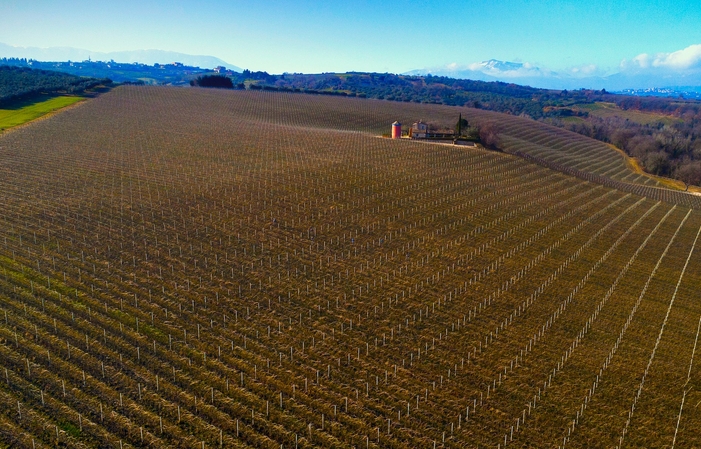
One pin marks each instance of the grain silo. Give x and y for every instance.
(396, 130)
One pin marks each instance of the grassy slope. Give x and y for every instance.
(606, 110)
(31, 109)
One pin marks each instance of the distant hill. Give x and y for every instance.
(20, 82)
(140, 56)
(498, 96)
(508, 72)
(663, 133)
(176, 74)
(531, 75)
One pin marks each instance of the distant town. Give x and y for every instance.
(174, 73)
(679, 92)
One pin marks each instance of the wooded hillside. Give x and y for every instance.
(20, 82)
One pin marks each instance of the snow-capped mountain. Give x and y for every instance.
(512, 72)
(532, 75)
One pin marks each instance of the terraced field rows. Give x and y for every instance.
(181, 268)
(561, 147)
(658, 193)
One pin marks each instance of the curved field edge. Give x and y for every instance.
(26, 111)
(552, 143)
(637, 167)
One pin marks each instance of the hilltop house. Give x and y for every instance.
(418, 130)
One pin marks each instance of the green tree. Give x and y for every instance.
(461, 126)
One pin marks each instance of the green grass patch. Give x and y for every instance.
(30, 109)
(70, 428)
(605, 110)
(26, 275)
(573, 120)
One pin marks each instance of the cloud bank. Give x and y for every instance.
(687, 59)
(584, 70)
(644, 71)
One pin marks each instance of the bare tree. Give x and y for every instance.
(489, 135)
(689, 174)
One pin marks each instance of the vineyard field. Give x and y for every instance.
(563, 147)
(185, 267)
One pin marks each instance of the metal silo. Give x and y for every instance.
(396, 130)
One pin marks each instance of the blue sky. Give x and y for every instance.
(370, 35)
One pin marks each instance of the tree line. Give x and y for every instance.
(665, 149)
(21, 82)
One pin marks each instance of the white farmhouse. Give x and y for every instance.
(419, 130)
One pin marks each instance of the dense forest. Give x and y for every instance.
(20, 82)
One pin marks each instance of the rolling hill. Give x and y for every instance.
(207, 268)
(149, 57)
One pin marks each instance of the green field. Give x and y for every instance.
(606, 110)
(31, 109)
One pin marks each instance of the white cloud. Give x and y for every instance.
(690, 57)
(642, 60)
(686, 59)
(584, 70)
(678, 68)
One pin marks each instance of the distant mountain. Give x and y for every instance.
(513, 72)
(503, 66)
(140, 56)
(654, 80)
(531, 75)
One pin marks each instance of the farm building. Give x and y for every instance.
(419, 130)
